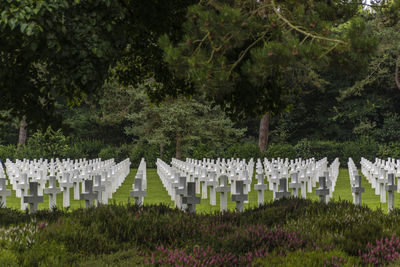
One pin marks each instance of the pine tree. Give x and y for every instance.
(250, 55)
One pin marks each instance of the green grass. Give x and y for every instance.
(157, 194)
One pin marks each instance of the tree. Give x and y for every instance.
(250, 56)
(53, 48)
(179, 120)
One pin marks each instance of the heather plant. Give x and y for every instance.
(287, 232)
(384, 251)
(319, 257)
(200, 257)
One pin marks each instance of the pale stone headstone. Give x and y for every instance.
(66, 184)
(99, 188)
(22, 186)
(274, 183)
(204, 189)
(33, 199)
(197, 179)
(357, 190)
(260, 187)
(382, 183)
(294, 184)
(76, 181)
(4, 193)
(391, 188)
(212, 183)
(181, 192)
(88, 195)
(239, 197)
(322, 190)
(138, 193)
(223, 189)
(191, 200)
(283, 193)
(52, 190)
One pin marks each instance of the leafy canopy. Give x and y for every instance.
(251, 55)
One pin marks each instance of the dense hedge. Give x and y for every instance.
(53, 144)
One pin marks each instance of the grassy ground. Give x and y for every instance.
(157, 194)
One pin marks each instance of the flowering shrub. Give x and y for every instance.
(383, 252)
(201, 257)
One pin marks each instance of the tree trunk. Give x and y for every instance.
(396, 70)
(178, 154)
(161, 150)
(264, 132)
(22, 132)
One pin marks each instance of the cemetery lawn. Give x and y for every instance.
(156, 194)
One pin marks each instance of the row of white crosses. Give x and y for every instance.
(355, 182)
(140, 184)
(100, 179)
(208, 173)
(381, 176)
(303, 175)
(183, 178)
(181, 190)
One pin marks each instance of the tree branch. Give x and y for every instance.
(302, 31)
(241, 56)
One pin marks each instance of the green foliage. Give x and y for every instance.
(180, 122)
(308, 258)
(245, 150)
(280, 150)
(8, 257)
(7, 152)
(389, 150)
(149, 152)
(250, 56)
(53, 48)
(287, 232)
(49, 144)
(108, 152)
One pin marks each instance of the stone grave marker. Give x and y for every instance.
(138, 193)
(283, 193)
(76, 180)
(322, 190)
(52, 190)
(391, 188)
(357, 190)
(203, 179)
(239, 197)
(99, 188)
(260, 187)
(302, 178)
(66, 184)
(274, 183)
(223, 189)
(88, 195)
(4, 193)
(382, 184)
(212, 183)
(33, 199)
(22, 186)
(191, 200)
(181, 192)
(294, 184)
(328, 183)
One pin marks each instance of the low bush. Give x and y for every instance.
(7, 152)
(288, 232)
(331, 258)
